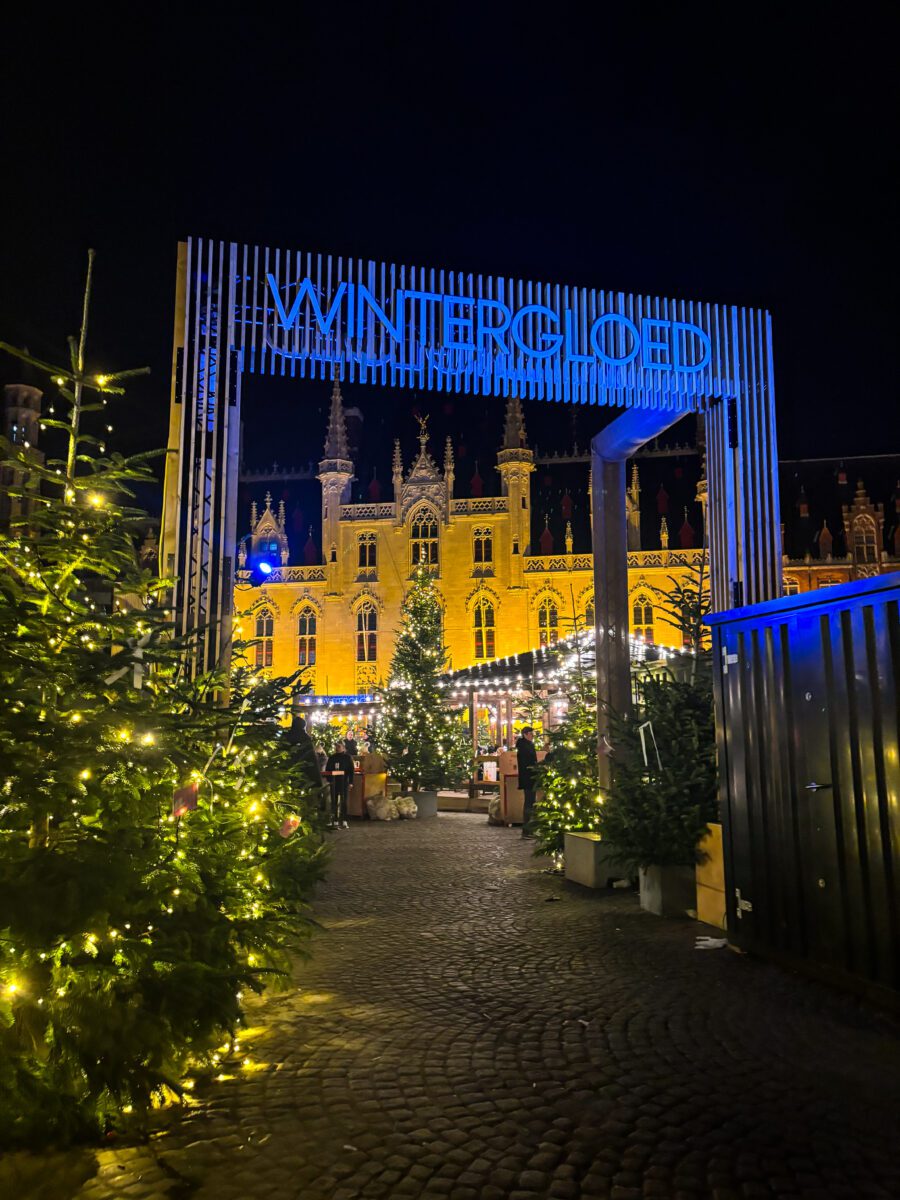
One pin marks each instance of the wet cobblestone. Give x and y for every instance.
(456, 1036)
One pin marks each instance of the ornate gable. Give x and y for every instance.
(424, 481)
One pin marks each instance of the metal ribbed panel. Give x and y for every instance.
(283, 312)
(809, 748)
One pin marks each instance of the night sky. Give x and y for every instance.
(670, 151)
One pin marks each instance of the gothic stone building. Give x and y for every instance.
(337, 619)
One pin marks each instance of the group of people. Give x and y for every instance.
(338, 767)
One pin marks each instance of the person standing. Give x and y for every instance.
(350, 746)
(321, 758)
(304, 750)
(526, 762)
(340, 770)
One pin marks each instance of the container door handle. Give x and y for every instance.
(816, 787)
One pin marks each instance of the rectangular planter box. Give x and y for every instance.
(592, 862)
(668, 891)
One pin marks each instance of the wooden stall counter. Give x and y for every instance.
(369, 779)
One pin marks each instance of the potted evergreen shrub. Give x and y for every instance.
(425, 744)
(663, 793)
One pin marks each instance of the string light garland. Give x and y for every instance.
(133, 926)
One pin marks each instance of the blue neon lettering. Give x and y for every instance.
(493, 331)
(453, 323)
(365, 299)
(470, 335)
(649, 345)
(571, 353)
(554, 339)
(306, 291)
(607, 319)
(679, 327)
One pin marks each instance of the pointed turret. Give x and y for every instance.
(268, 536)
(335, 475)
(514, 429)
(664, 534)
(686, 533)
(449, 467)
(515, 462)
(633, 509)
(336, 439)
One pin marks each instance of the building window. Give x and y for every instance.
(424, 540)
(589, 614)
(265, 629)
(366, 632)
(642, 617)
(790, 587)
(306, 638)
(865, 545)
(367, 555)
(484, 629)
(548, 622)
(483, 550)
(365, 679)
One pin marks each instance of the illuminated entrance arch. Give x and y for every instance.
(242, 308)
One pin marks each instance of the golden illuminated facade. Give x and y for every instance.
(337, 619)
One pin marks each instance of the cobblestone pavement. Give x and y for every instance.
(473, 1029)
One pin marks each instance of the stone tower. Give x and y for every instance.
(515, 462)
(335, 476)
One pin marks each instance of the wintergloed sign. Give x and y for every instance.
(314, 316)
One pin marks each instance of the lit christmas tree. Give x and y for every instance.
(156, 848)
(569, 777)
(425, 744)
(663, 793)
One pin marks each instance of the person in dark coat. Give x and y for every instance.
(304, 750)
(526, 762)
(350, 746)
(339, 768)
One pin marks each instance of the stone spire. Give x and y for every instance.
(514, 430)
(635, 486)
(449, 467)
(335, 476)
(633, 509)
(397, 465)
(336, 447)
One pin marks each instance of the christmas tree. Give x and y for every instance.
(663, 793)
(664, 786)
(568, 778)
(425, 744)
(156, 845)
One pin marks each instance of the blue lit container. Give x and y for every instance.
(807, 712)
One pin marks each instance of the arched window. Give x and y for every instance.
(589, 614)
(265, 629)
(483, 547)
(306, 638)
(366, 632)
(548, 622)
(424, 539)
(642, 616)
(483, 618)
(367, 555)
(865, 544)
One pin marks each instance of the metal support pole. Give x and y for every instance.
(609, 451)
